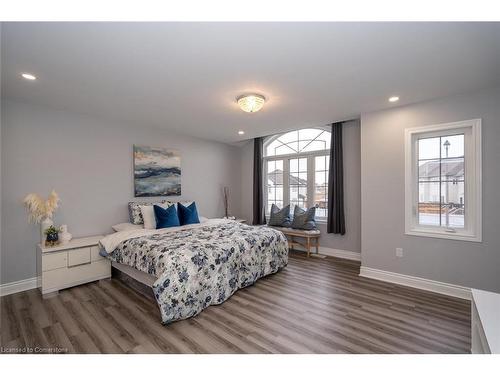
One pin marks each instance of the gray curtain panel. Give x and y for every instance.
(336, 217)
(259, 216)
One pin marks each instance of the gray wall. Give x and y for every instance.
(382, 189)
(352, 185)
(89, 162)
(1, 126)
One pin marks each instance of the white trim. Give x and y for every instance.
(430, 232)
(19, 286)
(337, 253)
(269, 139)
(473, 160)
(297, 155)
(417, 282)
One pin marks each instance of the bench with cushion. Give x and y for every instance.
(311, 237)
(303, 225)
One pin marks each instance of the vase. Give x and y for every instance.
(44, 224)
(64, 235)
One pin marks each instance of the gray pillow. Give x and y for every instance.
(304, 219)
(279, 218)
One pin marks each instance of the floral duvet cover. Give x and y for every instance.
(204, 264)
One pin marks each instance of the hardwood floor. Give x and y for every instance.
(312, 306)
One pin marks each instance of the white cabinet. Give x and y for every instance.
(485, 323)
(74, 263)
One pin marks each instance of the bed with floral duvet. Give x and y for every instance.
(199, 265)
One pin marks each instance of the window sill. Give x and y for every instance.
(443, 235)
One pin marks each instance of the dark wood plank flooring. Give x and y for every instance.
(312, 306)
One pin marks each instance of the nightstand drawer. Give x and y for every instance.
(68, 277)
(94, 254)
(77, 257)
(55, 261)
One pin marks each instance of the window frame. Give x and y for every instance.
(311, 171)
(472, 230)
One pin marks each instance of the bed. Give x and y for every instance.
(198, 265)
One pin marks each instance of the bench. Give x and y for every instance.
(311, 237)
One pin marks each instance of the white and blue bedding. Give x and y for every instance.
(199, 265)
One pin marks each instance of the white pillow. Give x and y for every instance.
(126, 226)
(148, 214)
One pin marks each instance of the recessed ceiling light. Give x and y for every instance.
(28, 76)
(393, 99)
(241, 132)
(251, 102)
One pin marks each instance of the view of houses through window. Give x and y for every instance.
(441, 180)
(296, 169)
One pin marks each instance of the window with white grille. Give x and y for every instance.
(443, 180)
(296, 169)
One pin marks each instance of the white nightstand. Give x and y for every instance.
(74, 263)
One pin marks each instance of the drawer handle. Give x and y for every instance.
(78, 265)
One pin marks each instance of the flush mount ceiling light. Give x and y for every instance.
(251, 102)
(393, 99)
(241, 132)
(28, 76)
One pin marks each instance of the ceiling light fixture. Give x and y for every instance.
(251, 102)
(393, 99)
(28, 76)
(241, 132)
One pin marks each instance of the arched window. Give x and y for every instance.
(296, 169)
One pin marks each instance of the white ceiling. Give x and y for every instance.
(185, 77)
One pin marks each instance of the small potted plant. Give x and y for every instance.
(52, 236)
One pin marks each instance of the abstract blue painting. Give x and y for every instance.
(157, 171)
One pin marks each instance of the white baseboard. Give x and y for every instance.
(19, 286)
(337, 253)
(417, 282)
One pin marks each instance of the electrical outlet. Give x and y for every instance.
(399, 252)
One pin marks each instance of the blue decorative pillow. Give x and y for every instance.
(188, 215)
(279, 218)
(166, 217)
(303, 219)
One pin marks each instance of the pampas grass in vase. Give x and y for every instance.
(41, 211)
